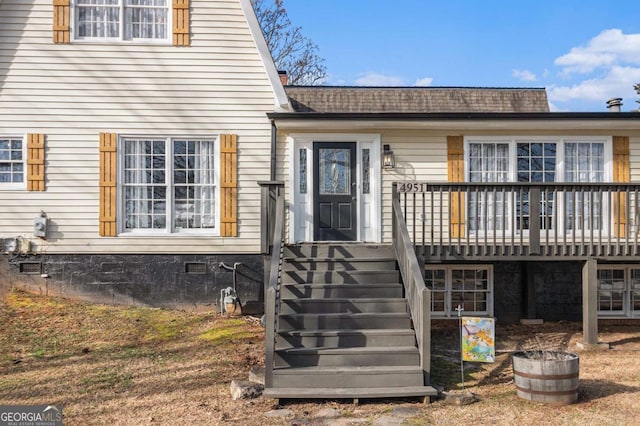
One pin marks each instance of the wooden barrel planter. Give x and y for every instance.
(547, 376)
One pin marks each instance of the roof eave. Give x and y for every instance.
(463, 122)
(281, 98)
(437, 116)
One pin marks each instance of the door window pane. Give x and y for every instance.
(303, 171)
(335, 171)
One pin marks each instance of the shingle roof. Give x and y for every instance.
(325, 99)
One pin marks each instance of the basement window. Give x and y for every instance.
(195, 268)
(468, 286)
(31, 268)
(618, 291)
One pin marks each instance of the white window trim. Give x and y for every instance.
(120, 39)
(627, 311)
(448, 308)
(170, 229)
(17, 186)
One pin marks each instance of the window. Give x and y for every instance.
(122, 19)
(169, 184)
(543, 160)
(468, 286)
(12, 163)
(488, 162)
(618, 291)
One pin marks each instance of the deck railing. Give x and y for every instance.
(272, 245)
(417, 294)
(455, 221)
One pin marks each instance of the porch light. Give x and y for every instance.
(388, 160)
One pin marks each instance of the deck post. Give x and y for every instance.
(590, 302)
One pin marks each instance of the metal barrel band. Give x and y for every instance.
(548, 377)
(538, 392)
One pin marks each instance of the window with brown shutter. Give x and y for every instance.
(455, 173)
(61, 21)
(621, 174)
(108, 190)
(92, 21)
(228, 185)
(35, 162)
(181, 18)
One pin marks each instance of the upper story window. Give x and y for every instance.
(169, 185)
(12, 163)
(146, 20)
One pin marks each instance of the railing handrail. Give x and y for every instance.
(424, 186)
(417, 294)
(276, 243)
(533, 220)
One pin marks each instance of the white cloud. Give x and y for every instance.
(524, 75)
(425, 81)
(555, 108)
(608, 48)
(618, 82)
(376, 79)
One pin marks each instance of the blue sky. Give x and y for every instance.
(583, 51)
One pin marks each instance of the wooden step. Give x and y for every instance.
(355, 264)
(339, 277)
(361, 357)
(348, 377)
(340, 393)
(343, 321)
(325, 306)
(332, 250)
(338, 291)
(345, 338)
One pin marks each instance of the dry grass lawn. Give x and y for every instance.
(136, 366)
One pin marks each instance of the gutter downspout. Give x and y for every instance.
(274, 139)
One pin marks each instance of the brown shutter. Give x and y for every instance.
(181, 23)
(35, 162)
(61, 19)
(108, 195)
(455, 173)
(621, 174)
(228, 185)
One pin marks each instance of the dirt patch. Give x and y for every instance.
(131, 365)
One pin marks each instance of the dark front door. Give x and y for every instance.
(334, 191)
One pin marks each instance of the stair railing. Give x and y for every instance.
(417, 294)
(272, 243)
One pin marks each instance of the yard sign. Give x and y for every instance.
(478, 339)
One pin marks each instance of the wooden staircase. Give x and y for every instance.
(343, 327)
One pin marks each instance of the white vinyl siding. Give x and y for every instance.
(71, 93)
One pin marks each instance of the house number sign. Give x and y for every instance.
(412, 187)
